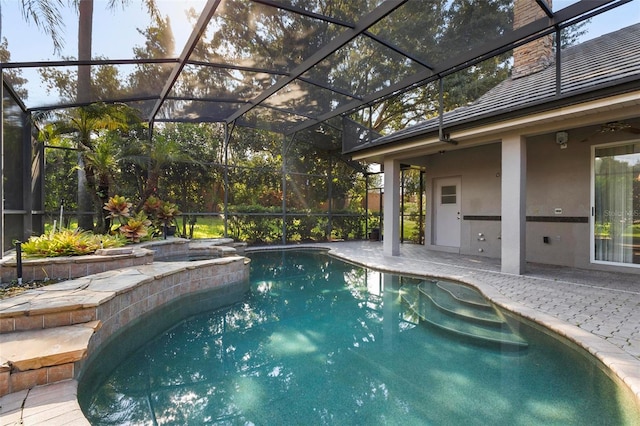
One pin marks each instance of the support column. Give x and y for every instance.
(225, 208)
(2, 245)
(284, 189)
(27, 179)
(391, 234)
(514, 195)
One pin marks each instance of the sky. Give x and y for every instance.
(28, 43)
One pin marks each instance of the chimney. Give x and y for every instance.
(536, 55)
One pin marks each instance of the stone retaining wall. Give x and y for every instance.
(114, 298)
(70, 267)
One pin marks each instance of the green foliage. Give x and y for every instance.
(348, 225)
(118, 207)
(154, 214)
(136, 228)
(162, 213)
(305, 226)
(69, 243)
(167, 212)
(255, 224)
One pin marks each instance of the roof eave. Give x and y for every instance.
(483, 125)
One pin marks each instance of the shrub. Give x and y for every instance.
(155, 214)
(136, 228)
(255, 224)
(69, 243)
(161, 213)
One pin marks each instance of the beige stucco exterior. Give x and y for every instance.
(556, 181)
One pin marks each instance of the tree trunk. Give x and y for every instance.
(150, 188)
(85, 204)
(85, 9)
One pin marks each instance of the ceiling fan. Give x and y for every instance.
(613, 127)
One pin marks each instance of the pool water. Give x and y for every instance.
(320, 341)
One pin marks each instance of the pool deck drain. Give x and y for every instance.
(599, 311)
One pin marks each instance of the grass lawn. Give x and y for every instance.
(206, 227)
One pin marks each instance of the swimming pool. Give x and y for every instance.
(321, 341)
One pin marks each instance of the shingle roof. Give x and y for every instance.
(593, 64)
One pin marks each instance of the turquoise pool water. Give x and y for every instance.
(320, 341)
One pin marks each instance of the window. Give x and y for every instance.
(448, 194)
(617, 204)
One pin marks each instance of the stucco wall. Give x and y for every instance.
(558, 196)
(558, 188)
(479, 172)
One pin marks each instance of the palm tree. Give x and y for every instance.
(97, 155)
(154, 158)
(46, 15)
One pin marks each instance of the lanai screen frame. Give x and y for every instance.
(241, 115)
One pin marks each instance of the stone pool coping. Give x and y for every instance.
(70, 267)
(113, 299)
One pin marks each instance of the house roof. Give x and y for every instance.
(603, 62)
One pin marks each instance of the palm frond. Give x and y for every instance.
(46, 15)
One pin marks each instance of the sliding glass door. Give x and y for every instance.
(616, 196)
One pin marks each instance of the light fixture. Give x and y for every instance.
(562, 138)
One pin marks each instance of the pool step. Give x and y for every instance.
(463, 302)
(38, 357)
(464, 294)
(460, 310)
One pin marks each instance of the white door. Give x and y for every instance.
(447, 212)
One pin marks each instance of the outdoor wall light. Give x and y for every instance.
(561, 139)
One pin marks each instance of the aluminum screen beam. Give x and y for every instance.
(206, 15)
(367, 21)
(520, 36)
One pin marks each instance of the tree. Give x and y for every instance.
(147, 78)
(87, 126)
(46, 14)
(154, 157)
(189, 182)
(12, 76)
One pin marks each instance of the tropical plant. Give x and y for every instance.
(136, 228)
(162, 213)
(69, 243)
(152, 205)
(87, 127)
(118, 207)
(167, 212)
